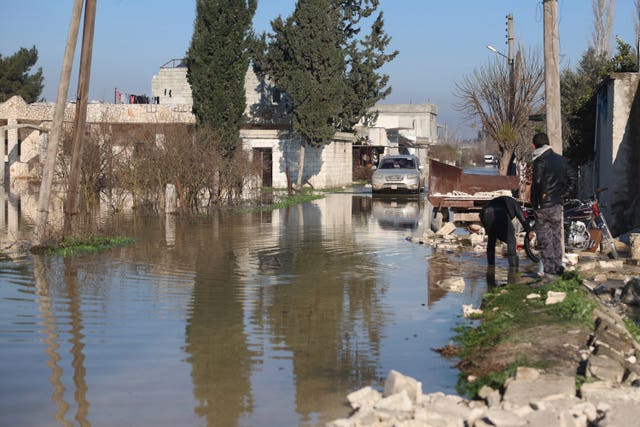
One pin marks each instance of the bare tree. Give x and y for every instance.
(503, 98)
(603, 15)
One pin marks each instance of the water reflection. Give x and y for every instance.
(52, 338)
(263, 319)
(399, 213)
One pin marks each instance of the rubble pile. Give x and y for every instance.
(609, 370)
(531, 398)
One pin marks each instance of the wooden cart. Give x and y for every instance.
(456, 196)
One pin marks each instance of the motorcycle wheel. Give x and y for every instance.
(531, 246)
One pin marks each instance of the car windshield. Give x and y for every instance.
(397, 164)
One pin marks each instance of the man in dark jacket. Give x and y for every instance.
(496, 217)
(547, 189)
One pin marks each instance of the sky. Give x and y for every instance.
(439, 41)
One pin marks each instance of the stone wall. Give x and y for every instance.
(27, 126)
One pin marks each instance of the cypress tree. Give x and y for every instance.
(305, 60)
(329, 71)
(15, 78)
(217, 61)
(365, 56)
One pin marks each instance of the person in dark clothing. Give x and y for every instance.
(547, 189)
(496, 217)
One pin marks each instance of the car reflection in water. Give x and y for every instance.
(396, 213)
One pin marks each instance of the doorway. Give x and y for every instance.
(263, 158)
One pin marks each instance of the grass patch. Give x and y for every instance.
(495, 380)
(633, 328)
(70, 247)
(507, 317)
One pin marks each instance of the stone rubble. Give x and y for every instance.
(531, 398)
(610, 396)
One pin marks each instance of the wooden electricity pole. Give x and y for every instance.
(71, 206)
(56, 128)
(552, 75)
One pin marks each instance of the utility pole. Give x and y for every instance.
(552, 75)
(71, 206)
(56, 128)
(510, 61)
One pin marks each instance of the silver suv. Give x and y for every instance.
(397, 173)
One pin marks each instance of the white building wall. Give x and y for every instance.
(252, 89)
(420, 119)
(326, 167)
(617, 158)
(171, 86)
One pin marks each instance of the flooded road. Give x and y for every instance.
(243, 320)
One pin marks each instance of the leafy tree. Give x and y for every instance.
(15, 78)
(217, 60)
(578, 90)
(624, 61)
(305, 60)
(329, 72)
(364, 58)
(578, 104)
(504, 99)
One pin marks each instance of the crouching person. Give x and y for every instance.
(496, 217)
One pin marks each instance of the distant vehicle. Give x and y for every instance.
(490, 159)
(398, 173)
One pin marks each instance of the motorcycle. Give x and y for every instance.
(579, 217)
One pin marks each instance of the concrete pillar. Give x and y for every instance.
(12, 135)
(3, 220)
(13, 219)
(635, 246)
(170, 199)
(3, 136)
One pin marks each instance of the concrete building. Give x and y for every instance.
(265, 133)
(170, 85)
(399, 128)
(407, 128)
(617, 153)
(415, 122)
(25, 128)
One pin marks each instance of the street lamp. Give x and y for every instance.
(510, 62)
(512, 89)
(494, 50)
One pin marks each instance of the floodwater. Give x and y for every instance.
(266, 319)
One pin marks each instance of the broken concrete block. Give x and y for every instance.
(611, 265)
(398, 402)
(366, 396)
(468, 310)
(446, 229)
(555, 297)
(605, 369)
(396, 383)
(526, 373)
